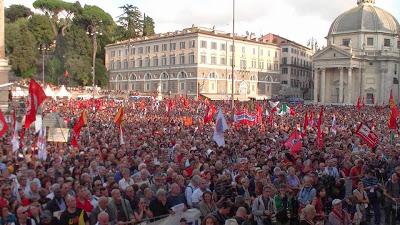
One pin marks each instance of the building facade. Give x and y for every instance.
(361, 59)
(195, 61)
(296, 67)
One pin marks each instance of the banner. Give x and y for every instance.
(58, 135)
(366, 134)
(244, 118)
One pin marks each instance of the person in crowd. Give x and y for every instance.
(307, 193)
(264, 208)
(103, 206)
(143, 212)
(198, 193)
(392, 199)
(159, 206)
(121, 207)
(210, 220)
(175, 197)
(207, 204)
(221, 214)
(338, 216)
(191, 187)
(72, 215)
(103, 219)
(362, 200)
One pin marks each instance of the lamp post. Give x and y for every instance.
(43, 48)
(92, 32)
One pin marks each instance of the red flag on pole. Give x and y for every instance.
(119, 116)
(36, 98)
(259, 113)
(358, 104)
(3, 125)
(305, 124)
(394, 113)
(294, 142)
(210, 114)
(367, 135)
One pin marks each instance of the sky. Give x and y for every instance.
(297, 20)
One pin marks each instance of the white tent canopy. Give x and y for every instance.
(62, 92)
(49, 92)
(19, 92)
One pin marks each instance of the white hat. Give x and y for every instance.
(336, 201)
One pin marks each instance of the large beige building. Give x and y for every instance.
(296, 67)
(361, 59)
(195, 61)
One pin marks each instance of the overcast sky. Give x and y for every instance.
(298, 20)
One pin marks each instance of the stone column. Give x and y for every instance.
(316, 75)
(382, 91)
(350, 85)
(341, 82)
(323, 85)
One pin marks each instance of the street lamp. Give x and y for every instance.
(43, 48)
(92, 32)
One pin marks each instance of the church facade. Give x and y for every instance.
(361, 59)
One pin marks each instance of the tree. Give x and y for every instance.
(40, 27)
(148, 26)
(23, 50)
(14, 12)
(131, 21)
(53, 9)
(101, 73)
(54, 69)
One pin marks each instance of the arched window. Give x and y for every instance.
(147, 76)
(164, 76)
(132, 77)
(182, 75)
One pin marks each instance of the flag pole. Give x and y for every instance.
(233, 59)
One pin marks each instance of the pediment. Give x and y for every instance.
(332, 52)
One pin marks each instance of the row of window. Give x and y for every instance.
(295, 51)
(154, 48)
(156, 61)
(296, 61)
(370, 42)
(297, 72)
(298, 84)
(153, 62)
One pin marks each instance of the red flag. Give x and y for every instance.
(320, 140)
(3, 125)
(305, 124)
(294, 142)
(186, 103)
(366, 134)
(36, 98)
(82, 121)
(199, 98)
(210, 114)
(394, 113)
(119, 116)
(311, 120)
(169, 106)
(259, 114)
(358, 104)
(292, 112)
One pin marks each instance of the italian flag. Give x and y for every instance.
(285, 109)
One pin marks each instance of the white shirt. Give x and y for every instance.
(123, 184)
(197, 196)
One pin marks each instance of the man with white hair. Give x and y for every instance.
(103, 219)
(192, 186)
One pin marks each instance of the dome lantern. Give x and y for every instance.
(359, 2)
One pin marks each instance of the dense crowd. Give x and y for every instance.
(165, 162)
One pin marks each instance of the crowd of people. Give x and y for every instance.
(165, 162)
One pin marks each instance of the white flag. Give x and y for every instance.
(38, 123)
(333, 125)
(273, 104)
(266, 113)
(15, 139)
(42, 152)
(121, 136)
(220, 127)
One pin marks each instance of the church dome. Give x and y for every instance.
(366, 17)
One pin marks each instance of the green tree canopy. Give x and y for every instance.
(40, 27)
(22, 50)
(131, 21)
(148, 26)
(14, 12)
